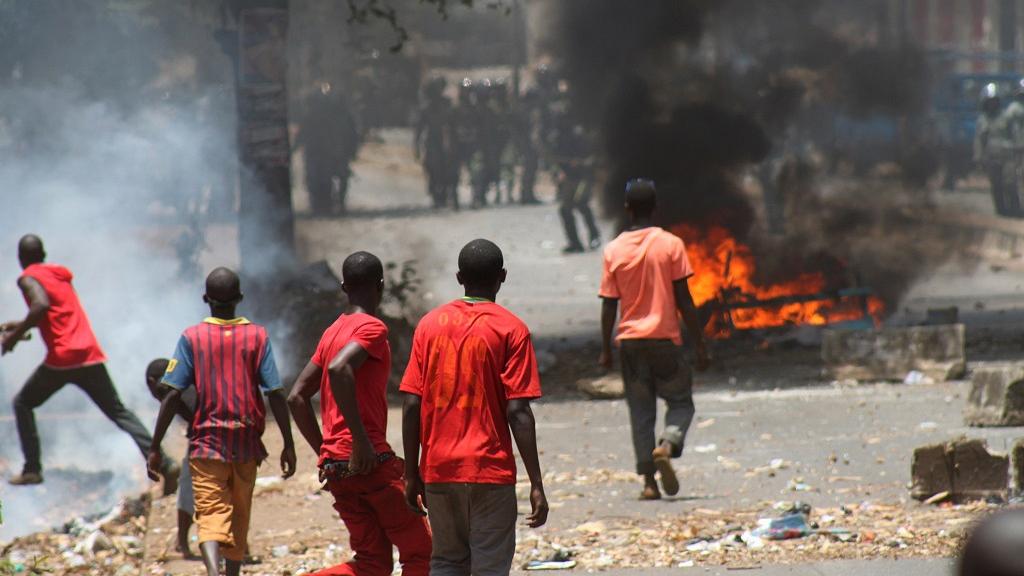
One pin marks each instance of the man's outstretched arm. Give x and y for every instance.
(524, 430)
(300, 403)
(38, 306)
(684, 302)
(279, 406)
(411, 446)
(168, 408)
(609, 309)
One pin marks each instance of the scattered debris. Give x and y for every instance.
(560, 560)
(605, 387)
(915, 378)
(738, 539)
(108, 543)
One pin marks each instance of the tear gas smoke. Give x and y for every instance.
(100, 184)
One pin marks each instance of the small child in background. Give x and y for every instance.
(186, 409)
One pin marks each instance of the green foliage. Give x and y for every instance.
(402, 286)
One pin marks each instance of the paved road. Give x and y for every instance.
(840, 568)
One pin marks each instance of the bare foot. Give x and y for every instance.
(650, 491)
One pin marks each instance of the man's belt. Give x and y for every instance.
(338, 469)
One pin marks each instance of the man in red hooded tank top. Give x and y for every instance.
(73, 356)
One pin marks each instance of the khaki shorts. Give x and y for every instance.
(223, 500)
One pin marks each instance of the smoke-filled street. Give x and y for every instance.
(476, 288)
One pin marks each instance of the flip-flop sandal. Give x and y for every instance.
(667, 474)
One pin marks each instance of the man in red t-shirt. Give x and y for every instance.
(470, 379)
(350, 370)
(72, 356)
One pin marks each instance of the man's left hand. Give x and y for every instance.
(539, 507)
(10, 340)
(288, 462)
(363, 458)
(154, 463)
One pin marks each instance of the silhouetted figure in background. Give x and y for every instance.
(434, 145)
(330, 142)
(571, 154)
(994, 144)
(467, 131)
(526, 135)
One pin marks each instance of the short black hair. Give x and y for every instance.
(362, 269)
(223, 286)
(641, 196)
(157, 368)
(480, 263)
(30, 249)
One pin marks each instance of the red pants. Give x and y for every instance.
(374, 511)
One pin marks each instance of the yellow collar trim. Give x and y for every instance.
(222, 322)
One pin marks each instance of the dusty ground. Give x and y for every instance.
(845, 450)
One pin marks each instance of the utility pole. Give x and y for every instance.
(255, 35)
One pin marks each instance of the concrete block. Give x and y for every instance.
(931, 472)
(978, 473)
(997, 395)
(606, 387)
(889, 354)
(1017, 467)
(964, 468)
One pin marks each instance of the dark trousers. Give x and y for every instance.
(574, 196)
(94, 381)
(653, 369)
(474, 528)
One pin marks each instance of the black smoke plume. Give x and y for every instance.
(699, 94)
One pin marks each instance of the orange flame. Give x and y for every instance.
(724, 268)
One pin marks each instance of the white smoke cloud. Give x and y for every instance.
(101, 186)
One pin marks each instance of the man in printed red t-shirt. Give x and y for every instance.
(72, 356)
(350, 370)
(470, 379)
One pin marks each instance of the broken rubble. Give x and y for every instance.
(997, 395)
(964, 469)
(937, 352)
(1017, 464)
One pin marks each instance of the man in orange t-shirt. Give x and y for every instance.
(645, 274)
(470, 379)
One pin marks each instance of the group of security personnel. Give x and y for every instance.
(493, 135)
(999, 148)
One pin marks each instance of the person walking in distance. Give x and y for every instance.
(471, 375)
(644, 281)
(73, 356)
(350, 370)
